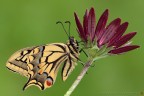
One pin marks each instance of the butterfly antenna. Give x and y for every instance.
(63, 27)
(69, 26)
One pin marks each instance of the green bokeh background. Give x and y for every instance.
(26, 23)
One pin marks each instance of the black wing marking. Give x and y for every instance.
(49, 64)
(68, 67)
(18, 61)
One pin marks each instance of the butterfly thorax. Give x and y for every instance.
(73, 45)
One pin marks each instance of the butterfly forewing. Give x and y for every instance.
(19, 60)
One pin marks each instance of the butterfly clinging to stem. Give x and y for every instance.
(41, 63)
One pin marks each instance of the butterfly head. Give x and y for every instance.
(42, 81)
(73, 42)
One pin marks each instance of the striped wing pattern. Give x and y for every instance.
(18, 61)
(41, 64)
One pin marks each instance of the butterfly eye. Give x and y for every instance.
(49, 81)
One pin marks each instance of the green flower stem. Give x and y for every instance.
(79, 78)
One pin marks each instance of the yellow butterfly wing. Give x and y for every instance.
(18, 61)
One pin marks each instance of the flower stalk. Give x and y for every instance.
(79, 78)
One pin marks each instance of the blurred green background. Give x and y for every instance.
(26, 23)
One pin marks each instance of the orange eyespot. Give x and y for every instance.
(49, 82)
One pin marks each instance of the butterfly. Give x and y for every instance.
(42, 63)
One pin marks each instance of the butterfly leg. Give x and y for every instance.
(83, 52)
(82, 64)
(87, 56)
